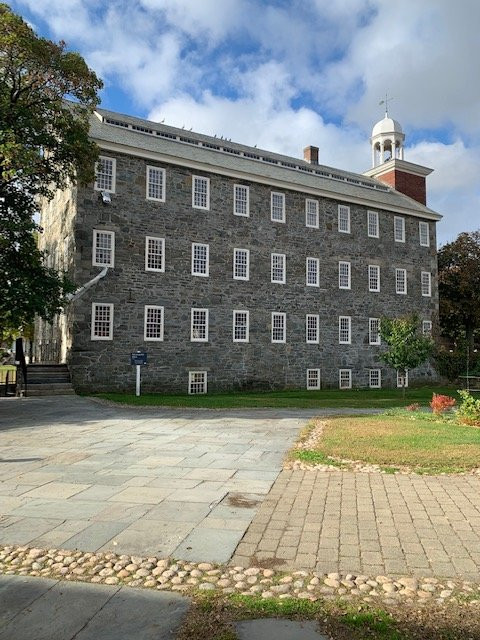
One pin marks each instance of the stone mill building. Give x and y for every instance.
(233, 267)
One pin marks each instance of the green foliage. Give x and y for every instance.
(459, 287)
(469, 410)
(46, 97)
(408, 348)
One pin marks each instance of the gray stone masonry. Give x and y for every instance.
(104, 365)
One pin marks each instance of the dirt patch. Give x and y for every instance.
(241, 501)
(267, 563)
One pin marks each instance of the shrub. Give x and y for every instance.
(469, 410)
(415, 406)
(440, 403)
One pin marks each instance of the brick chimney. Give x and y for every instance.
(310, 154)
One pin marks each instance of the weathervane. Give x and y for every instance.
(385, 102)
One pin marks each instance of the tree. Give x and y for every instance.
(408, 348)
(459, 288)
(46, 97)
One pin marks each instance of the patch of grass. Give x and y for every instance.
(420, 442)
(317, 457)
(301, 399)
(255, 606)
(377, 622)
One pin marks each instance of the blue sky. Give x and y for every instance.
(285, 74)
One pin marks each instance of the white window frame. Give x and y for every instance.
(427, 327)
(313, 384)
(284, 327)
(424, 229)
(343, 209)
(110, 306)
(309, 203)
(147, 308)
(236, 250)
(160, 269)
(399, 379)
(95, 262)
(284, 267)
(114, 175)
(192, 381)
(207, 260)
(341, 379)
(205, 207)
(374, 268)
(426, 284)
(161, 185)
(348, 275)
(316, 339)
(372, 331)
(373, 221)
(399, 237)
(349, 323)
(397, 272)
(247, 326)
(236, 199)
(378, 383)
(274, 206)
(192, 315)
(315, 272)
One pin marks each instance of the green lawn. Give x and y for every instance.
(417, 441)
(356, 398)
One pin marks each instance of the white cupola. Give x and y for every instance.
(387, 141)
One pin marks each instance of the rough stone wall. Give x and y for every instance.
(104, 365)
(57, 219)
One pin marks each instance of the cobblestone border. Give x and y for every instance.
(190, 577)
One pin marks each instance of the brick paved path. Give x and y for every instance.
(369, 523)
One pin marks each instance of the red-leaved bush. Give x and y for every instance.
(440, 403)
(415, 406)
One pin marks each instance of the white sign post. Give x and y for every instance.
(139, 359)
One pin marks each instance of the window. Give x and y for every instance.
(105, 171)
(199, 259)
(102, 321)
(278, 327)
(399, 229)
(313, 379)
(344, 330)
(311, 213)
(372, 224)
(313, 267)
(426, 284)
(155, 184)
(199, 328)
(402, 380)
(375, 379)
(427, 327)
(153, 323)
(241, 200)
(201, 192)
(277, 207)
(344, 275)
(103, 253)
(401, 281)
(424, 233)
(197, 382)
(345, 378)
(373, 277)
(374, 330)
(343, 218)
(154, 254)
(241, 264)
(240, 326)
(278, 268)
(312, 323)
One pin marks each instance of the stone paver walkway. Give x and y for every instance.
(374, 524)
(43, 609)
(77, 474)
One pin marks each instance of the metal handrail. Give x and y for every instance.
(20, 359)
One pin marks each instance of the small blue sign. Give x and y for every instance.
(138, 358)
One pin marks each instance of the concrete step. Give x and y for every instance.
(50, 390)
